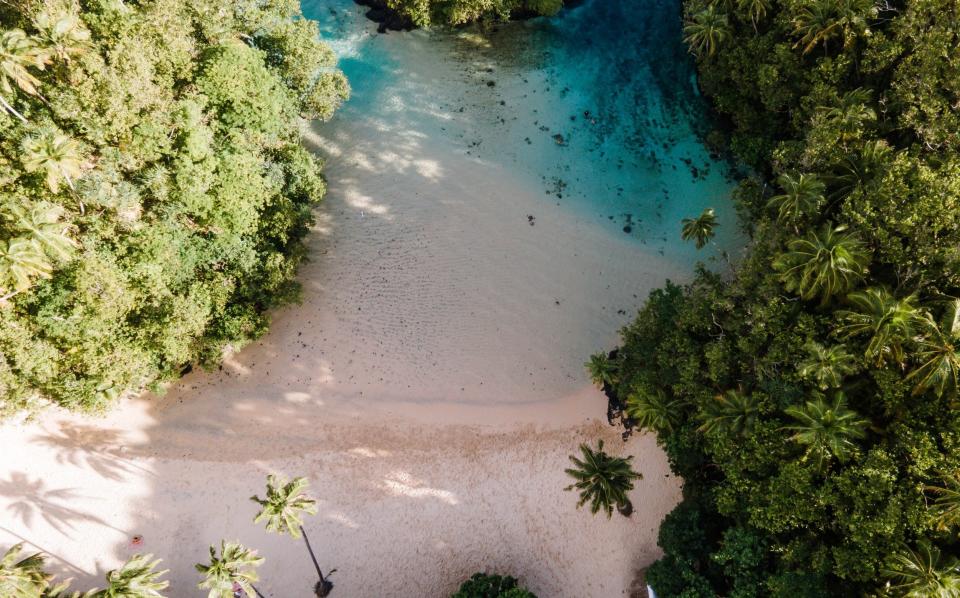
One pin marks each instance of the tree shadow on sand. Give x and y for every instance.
(33, 501)
(101, 450)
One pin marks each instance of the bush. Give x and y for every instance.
(481, 585)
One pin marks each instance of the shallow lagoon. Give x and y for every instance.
(597, 105)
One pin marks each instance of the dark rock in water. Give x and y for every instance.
(628, 229)
(388, 18)
(491, 83)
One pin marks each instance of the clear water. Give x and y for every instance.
(597, 105)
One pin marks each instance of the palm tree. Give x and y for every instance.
(699, 229)
(946, 507)
(757, 9)
(654, 410)
(61, 35)
(857, 169)
(43, 224)
(602, 480)
(135, 579)
(824, 263)
(939, 354)
(55, 154)
(731, 413)
(18, 54)
(22, 577)
(282, 509)
(21, 260)
(602, 369)
(235, 565)
(827, 428)
(802, 196)
(827, 366)
(823, 20)
(851, 114)
(852, 17)
(706, 31)
(891, 322)
(814, 23)
(923, 573)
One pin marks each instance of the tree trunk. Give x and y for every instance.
(324, 586)
(12, 110)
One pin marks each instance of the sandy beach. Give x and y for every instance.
(430, 385)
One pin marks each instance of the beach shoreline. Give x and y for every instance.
(421, 483)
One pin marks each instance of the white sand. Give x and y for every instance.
(430, 386)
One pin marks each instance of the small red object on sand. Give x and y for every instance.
(137, 540)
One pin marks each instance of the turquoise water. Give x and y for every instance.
(598, 106)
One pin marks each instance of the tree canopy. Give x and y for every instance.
(155, 191)
(424, 13)
(809, 399)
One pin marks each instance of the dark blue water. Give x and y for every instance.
(598, 106)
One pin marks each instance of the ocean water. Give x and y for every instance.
(598, 106)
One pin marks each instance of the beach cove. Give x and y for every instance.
(489, 224)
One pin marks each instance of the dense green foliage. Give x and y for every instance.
(155, 192)
(481, 585)
(424, 13)
(810, 399)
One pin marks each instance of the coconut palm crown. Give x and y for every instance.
(823, 263)
(235, 565)
(602, 480)
(827, 428)
(54, 154)
(802, 196)
(654, 410)
(706, 31)
(19, 55)
(923, 572)
(890, 321)
(22, 577)
(135, 579)
(945, 510)
(939, 354)
(284, 505)
(602, 369)
(733, 412)
(826, 366)
(700, 229)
